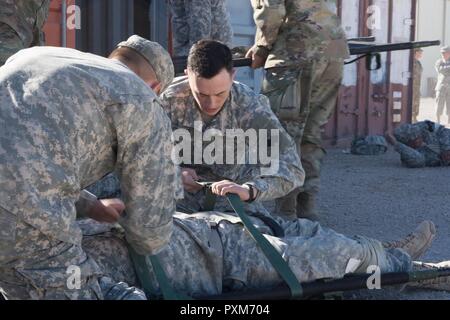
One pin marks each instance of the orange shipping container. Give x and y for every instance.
(59, 31)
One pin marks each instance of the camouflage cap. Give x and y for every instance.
(156, 55)
(407, 132)
(445, 49)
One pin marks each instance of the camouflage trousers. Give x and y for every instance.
(415, 104)
(442, 101)
(304, 100)
(210, 253)
(36, 266)
(10, 42)
(419, 158)
(194, 20)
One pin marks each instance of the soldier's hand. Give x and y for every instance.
(223, 187)
(189, 178)
(445, 156)
(390, 138)
(258, 60)
(106, 210)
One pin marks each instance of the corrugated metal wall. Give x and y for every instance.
(244, 35)
(104, 24)
(107, 22)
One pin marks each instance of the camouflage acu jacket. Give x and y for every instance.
(443, 70)
(295, 31)
(243, 110)
(436, 139)
(26, 18)
(67, 119)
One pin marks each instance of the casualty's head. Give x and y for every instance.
(418, 53)
(410, 134)
(149, 60)
(210, 73)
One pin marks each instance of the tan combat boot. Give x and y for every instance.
(442, 284)
(417, 242)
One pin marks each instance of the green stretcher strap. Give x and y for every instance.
(164, 284)
(141, 267)
(210, 199)
(269, 251)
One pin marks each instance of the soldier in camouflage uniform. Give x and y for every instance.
(194, 20)
(21, 23)
(443, 84)
(68, 118)
(208, 99)
(302, 47)
(417, 80)
(210, 253)
(423, 144)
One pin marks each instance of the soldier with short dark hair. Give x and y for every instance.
(208, 100)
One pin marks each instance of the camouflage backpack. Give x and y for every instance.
(370, 145)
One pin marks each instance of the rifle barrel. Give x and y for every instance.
(356, 48)
(367, 48)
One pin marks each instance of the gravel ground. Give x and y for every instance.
(375, 196)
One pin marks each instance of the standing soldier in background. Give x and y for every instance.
(302, 46)
(194, 20)
(21, 23)
(443, 84)
(417, 80)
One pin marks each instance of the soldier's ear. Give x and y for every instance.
(185, 72)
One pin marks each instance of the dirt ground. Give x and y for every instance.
(375, 196)
(427, 111)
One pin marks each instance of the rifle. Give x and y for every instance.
(365, 47)
(372, 50)
(320, 288)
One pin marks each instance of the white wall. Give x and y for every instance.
(401, 32)
(241, 16)
(350, 23)
(432, 23)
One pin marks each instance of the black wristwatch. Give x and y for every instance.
(252, 192)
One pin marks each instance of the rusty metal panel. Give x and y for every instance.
(56, 31)
(378, 93)
(343, 125)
